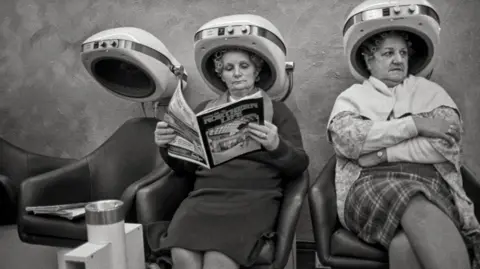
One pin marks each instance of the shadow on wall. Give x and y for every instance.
(50, 105)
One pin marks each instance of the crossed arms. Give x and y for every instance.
(357, 138)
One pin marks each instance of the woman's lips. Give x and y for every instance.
(396, 69)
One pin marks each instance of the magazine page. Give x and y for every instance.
(70, 214)
(224, 131)
(187, 145)
(68, 211)
(54, 208)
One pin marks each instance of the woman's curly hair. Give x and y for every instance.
(217, 60)
(373, 43)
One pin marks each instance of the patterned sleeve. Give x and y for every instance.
(353, 135)
(450, 152)
(347, 132)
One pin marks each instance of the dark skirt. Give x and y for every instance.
(377, 200)
(236, 223)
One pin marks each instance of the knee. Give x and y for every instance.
(418, 209)
(185, 258)
(418, 202)
(217, 260)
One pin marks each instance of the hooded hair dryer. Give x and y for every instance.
(132, 64)
(251, 33)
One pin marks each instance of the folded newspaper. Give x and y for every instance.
(68, 211)
(215, 135)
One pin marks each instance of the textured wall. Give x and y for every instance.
(50, 105)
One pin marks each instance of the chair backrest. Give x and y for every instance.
(18, 164)
(128, 155)
(13, 161)
(471, 184)
(330, 188)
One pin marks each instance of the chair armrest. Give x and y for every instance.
(68, 184)
(159, 200)
(323, 209)
(129, 194)
(471, 184)
(294, 196)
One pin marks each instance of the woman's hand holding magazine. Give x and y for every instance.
(163, 134)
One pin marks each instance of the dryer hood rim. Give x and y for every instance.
(385, 13)
(242, 19)
(246, 29)
(124, 44)
(420, 67)
(160, 76)
(209, 75)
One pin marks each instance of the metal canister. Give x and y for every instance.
(105, 221)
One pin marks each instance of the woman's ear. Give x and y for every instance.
(256, 74)
(367, 59)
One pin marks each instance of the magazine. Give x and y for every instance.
(215, 135)
(68, 211)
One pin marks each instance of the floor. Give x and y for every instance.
(15, 254)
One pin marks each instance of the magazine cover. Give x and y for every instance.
(224, 131)
(215, 135)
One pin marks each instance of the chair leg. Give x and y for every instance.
(318, 264)
(61, 264)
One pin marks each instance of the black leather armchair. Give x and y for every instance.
(338, 248)
(17, 164)
(117, 169)
(159, 201)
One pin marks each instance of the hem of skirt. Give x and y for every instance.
(400, 212)
(166, 258)
(165, 255)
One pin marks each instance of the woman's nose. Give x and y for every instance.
(236, 72)
(398, 58)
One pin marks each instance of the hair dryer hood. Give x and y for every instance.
(132, 64)
(417, 17)
(252, 33)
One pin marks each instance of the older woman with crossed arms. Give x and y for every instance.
(398, 181)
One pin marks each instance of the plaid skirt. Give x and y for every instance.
(377, 200)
